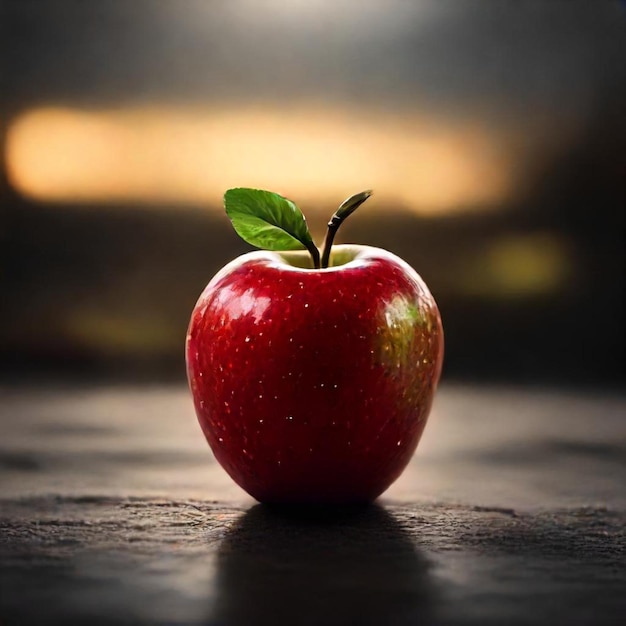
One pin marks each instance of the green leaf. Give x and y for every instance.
(267, 220)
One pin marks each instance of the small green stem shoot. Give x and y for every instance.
(346, 209)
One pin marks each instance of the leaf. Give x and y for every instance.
(350, 205)
(267, 220)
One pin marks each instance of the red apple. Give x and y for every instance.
(314, 385)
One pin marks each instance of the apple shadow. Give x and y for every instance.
(312, 566)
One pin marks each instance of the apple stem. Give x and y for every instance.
(315, 255)
(346, 208)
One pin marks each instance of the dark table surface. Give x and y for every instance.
(112, 510)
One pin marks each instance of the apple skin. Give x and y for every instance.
(314, 386)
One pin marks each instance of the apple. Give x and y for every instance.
(314, 384)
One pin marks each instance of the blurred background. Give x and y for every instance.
(492, 133)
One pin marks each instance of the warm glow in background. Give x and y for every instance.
(321, 154)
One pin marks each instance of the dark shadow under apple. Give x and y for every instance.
(321, 566)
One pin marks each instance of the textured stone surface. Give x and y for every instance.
(112, 511)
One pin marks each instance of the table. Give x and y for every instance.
(112, 510)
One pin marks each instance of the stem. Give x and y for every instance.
(346, 208)
(333, 227)
(315, 255)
